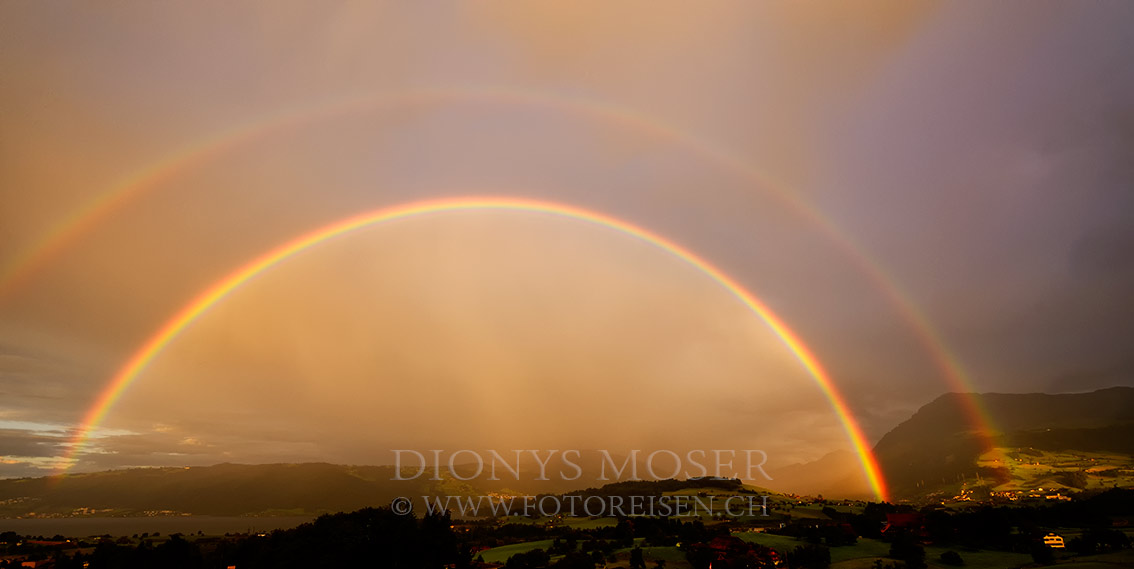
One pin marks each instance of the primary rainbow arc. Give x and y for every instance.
(220, 289)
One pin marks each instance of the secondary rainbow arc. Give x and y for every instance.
(153, 346)
(67, 231)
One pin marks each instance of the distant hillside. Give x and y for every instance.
(224, 489)
(837, 474)
(937, 446)
(265, 489)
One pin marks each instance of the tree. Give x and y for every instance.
(906, 549)
(1077, 479)
(534, 559)
(810, 556)
(637, 561)
(952, 558)
(575, 560)
(1042, 554)
(598, 558)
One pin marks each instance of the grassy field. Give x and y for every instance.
(674, 557)
(1031, 469)
(811, 511)
(781, 543)
(860, 563)
(671, 555)
(1102, 561)
(1091, 565)
(502, 553)
(588, 523)
(979, 559)
(865, 548)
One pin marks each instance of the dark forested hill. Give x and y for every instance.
(940, 442)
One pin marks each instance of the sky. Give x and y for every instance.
(932, 197)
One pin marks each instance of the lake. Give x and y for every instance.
(85, 527)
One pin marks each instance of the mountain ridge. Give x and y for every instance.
(940, 442)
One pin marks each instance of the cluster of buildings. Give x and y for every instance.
(1034, 494)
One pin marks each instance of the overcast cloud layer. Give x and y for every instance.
(981, 156)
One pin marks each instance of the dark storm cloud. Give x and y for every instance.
(30, 444)
(992, 178)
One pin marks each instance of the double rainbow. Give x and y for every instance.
(19, 270)
(31, 259)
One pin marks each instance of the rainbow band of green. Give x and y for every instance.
(19, 270)
(219, 290)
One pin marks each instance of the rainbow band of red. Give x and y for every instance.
(199, 305)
